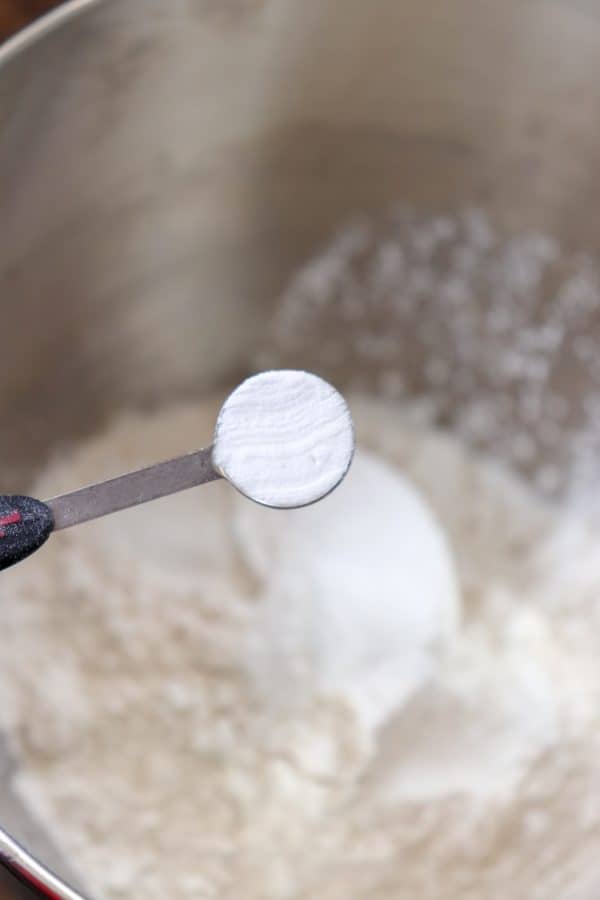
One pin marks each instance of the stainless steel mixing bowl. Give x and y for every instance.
(164, 165)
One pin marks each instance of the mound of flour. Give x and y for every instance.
(227, 702)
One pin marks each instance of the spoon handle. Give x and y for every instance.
(132, 489)
(26, 523)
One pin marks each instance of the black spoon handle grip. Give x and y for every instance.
(25, 524)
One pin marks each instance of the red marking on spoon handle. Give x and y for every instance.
(12, 518)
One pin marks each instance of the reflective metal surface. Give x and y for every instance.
(133, 488)
(159, 159)
(33, 873)
(164, 164)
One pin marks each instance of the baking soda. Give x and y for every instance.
(284, 438)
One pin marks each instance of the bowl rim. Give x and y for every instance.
(42, 26)
(27, 869)
(13, 856)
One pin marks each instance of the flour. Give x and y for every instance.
(360, 596)
(284, 438)
(229, 701)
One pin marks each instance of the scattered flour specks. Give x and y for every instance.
(500, 334)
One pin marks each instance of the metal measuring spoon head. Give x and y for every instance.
(284, 439)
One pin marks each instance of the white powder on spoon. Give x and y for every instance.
(284, 438)
(221, 707)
